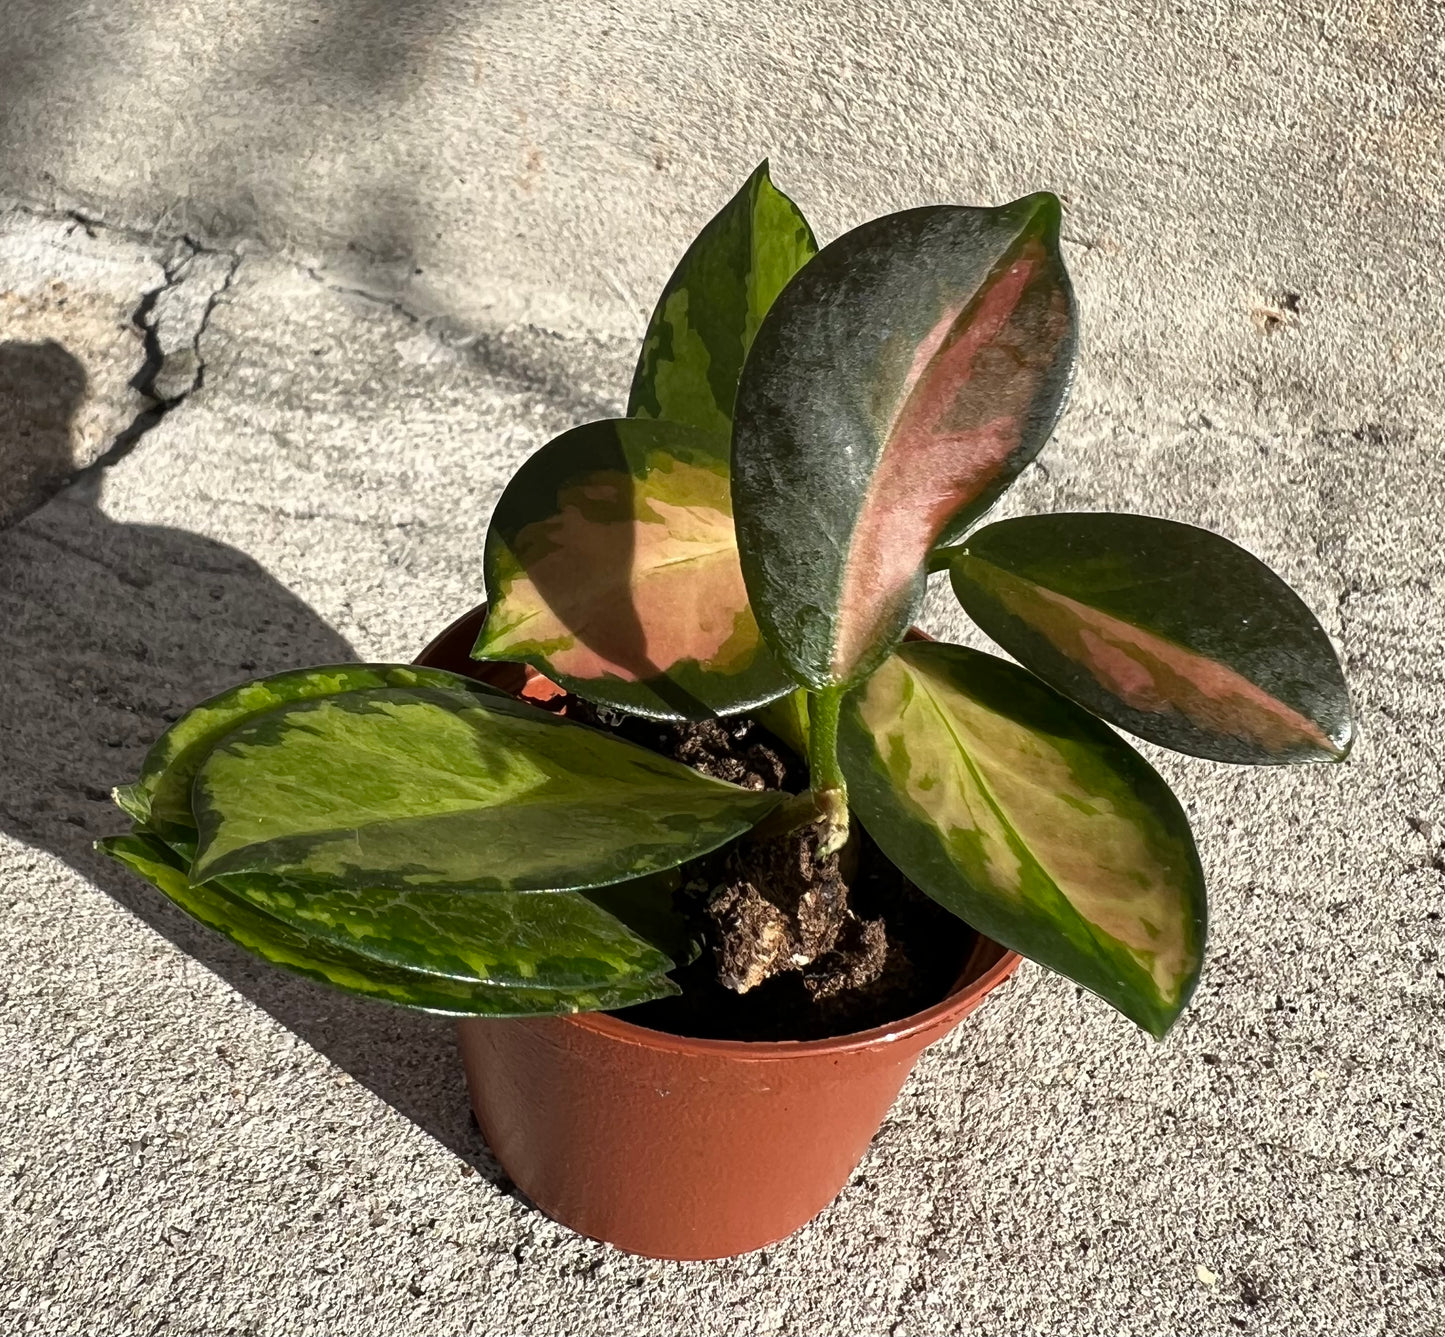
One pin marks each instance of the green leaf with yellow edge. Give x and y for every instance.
(561, 939)
(612, 567)
(1030, 819)
(712, 305)
(1169, 631)
(350, 971)
(413, 788)
(161, 797)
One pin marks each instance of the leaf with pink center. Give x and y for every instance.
(1168, 631)
(897, 386)
(612, 567)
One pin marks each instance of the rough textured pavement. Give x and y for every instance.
(421, 241)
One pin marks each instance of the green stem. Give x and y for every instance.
(825, 775)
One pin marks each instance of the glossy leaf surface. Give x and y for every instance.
(418, 788)
(712, 305)
(1166, 630)
(161, 797)
(895, 389)
(612, 567)
(1031, 820)
(562, 939)
(352, 972)
(559, 940)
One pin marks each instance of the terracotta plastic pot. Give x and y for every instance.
(674, 1147)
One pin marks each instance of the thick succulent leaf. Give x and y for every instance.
(1166, 630)
(558, 941)
(564, 939)
(161, 798)
(712, 305)
(895, 389)
(350, 971)
(425, 788)
(1031, 820)
(612, 567)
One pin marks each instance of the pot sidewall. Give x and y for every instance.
(674, 1147)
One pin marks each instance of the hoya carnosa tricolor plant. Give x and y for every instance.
(809, 433)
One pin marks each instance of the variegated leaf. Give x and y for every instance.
(161, 797)
(710, 309)
(895, 389)
(560, 940)
(1166, 630)
(1031, 820)
(612, 567)
(425, 788)
(352, 971)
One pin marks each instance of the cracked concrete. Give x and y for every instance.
(201, 1144)
(101, 339)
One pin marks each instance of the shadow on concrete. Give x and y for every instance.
(41, 386)
(110, 632)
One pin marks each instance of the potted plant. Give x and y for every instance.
(699, 839)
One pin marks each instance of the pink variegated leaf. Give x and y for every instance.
(1166, 630)
(612, 567)
(896, 387)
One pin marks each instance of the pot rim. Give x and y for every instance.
(938, 1017)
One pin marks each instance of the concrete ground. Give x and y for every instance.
(287, 289)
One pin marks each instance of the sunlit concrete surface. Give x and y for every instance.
(377, 254)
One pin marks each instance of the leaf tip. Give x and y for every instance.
(133, 801)
(1045, 211)
(1342, 744)
(483, 647)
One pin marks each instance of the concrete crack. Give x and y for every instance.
(378, 299)
(170, 371)
(172, 318)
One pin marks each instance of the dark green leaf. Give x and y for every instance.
(612, 567)
(1031, 820)
(161, 798)
(646, 906)
(352, 972)
(712, 305)
(418, 788)
(895, 389)
(559, 940)
(1166, 630)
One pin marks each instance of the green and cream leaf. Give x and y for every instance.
(426, 788)
(705, 320)
(1031, 820)
(559, 940)
(351, 971)
(161, 797)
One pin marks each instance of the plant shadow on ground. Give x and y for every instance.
(111, 631)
